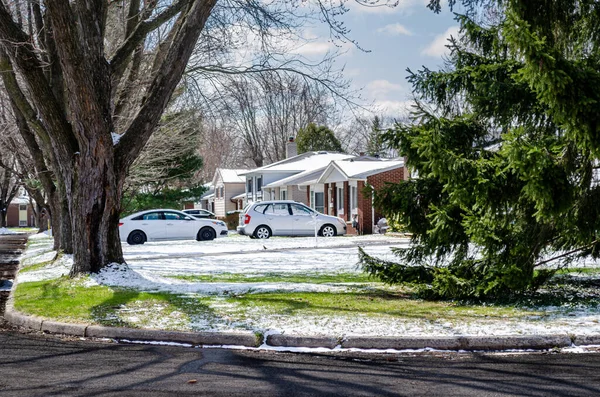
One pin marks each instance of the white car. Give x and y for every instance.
(166, 224)
(287, 218)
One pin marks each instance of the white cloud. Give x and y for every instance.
(313, 48)
(393, 109)
(437, 48)
(405, 7)
(395, 29)
(379, 89)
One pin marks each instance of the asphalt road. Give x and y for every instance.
(34, 365)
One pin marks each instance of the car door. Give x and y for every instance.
(303, 220)
(180, 226)
(279, 219)
(152, 224)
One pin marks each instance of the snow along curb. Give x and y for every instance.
(248, 339)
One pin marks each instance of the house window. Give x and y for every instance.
(283, 194)
(249, 185)
(222, 192)
(353, 200)
(259, 186)
(22, 223)
(317, 201)
(22, 207)
(340, 200)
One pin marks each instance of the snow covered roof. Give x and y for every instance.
(303, 178)
(339, 171)
(239, 196)
(303, 162)
(20, 200)
(229, 175)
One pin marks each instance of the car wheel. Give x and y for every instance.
(136, 237)
(206, 233)
(262, 232)
(328, 231)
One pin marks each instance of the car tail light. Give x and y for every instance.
(246, 219)
(120, 223)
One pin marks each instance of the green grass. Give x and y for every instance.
(374, 303)
(72, 301)
(580, 270)
(36, 266)
(317, 278)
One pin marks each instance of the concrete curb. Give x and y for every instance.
(249, 339)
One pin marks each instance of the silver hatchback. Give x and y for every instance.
(287, 218)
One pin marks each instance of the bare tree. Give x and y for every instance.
(86, 71)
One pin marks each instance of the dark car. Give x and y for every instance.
(201, 214)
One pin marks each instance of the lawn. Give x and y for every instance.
(283, 285)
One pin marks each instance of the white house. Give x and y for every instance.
(260, 182)
(228, 183)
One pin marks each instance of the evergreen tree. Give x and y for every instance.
(315, 138)
(507, 158)
(376, 146)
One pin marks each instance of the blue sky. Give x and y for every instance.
(407, 36)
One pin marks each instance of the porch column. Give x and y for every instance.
(334, 199)
(347, 201)
(365, 208)
(326, 199)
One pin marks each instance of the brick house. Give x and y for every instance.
(341, 187)
(20, 213)
(271, 181)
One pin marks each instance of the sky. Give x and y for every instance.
(406, 36)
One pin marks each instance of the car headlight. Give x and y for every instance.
(341, 221)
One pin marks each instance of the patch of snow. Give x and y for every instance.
(4, 230)
(115, 138)
(149, 265)
(41, 235)
(57, 269)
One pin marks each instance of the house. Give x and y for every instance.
(225, 193)
(228, 184)
(206, 201)
(342, 185)
(330, 183)
(20, 213)
(261, 182)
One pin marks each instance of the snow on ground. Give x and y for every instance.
(149, 265)
(4, 230)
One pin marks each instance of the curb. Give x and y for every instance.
(248, 339)
(251, 340)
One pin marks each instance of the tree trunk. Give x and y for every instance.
(95, 206)
(3, 211)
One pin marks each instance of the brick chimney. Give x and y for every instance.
(291, 148)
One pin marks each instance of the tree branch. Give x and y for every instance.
(166, 80)
(120, 59)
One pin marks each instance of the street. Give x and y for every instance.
(35, 365)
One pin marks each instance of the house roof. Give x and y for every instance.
(239, 196)
(20, 200)
(300, 163)
(229, 175)
(303, 178)
(357, 169)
